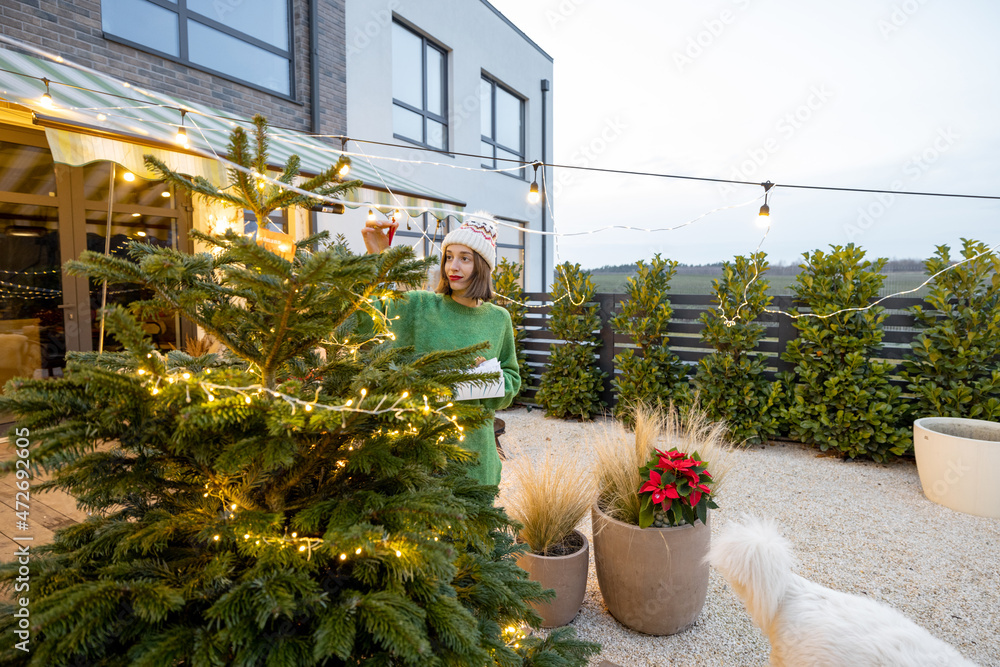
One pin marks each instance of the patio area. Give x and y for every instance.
(861, 527)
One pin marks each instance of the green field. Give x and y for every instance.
(614, 283)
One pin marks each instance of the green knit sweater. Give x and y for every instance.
(432, 322)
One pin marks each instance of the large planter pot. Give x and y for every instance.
(653, 580)
(958, 461)
(567, 575)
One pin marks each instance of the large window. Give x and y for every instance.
(248, 41)
(510, 244)
(419, 91)
(502, 118)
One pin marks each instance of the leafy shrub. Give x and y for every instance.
(654, 376)
(572, 383)
(506, 284)
(840, 397)
(730, 381)
(953, 369)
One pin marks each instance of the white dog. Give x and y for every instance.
(810, 625)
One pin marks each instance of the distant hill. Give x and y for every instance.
(892, 266)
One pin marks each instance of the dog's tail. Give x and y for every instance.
(757, 562)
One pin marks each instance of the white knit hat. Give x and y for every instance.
(479, 232)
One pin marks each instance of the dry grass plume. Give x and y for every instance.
(549, 501)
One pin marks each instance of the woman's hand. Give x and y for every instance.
(377, 240)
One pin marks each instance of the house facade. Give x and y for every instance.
(88, 87)
(448, 89)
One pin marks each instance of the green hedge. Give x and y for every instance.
(954, 370)
(507, 285)
(653, 375)
(571, 385)
(839, 395)
(730, 381)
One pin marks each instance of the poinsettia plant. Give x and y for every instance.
(676, 490)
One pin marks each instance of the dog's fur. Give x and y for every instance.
(808, 624)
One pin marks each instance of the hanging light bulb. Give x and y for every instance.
(534, 196)
(182, 137)
(46, 99)
(128, 176)
(764, 218)
(346, 168)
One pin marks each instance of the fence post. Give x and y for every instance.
(606, 353)
(786, 331)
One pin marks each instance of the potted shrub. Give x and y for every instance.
(651, 518)
(549, 501)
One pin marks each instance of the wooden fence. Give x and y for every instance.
(685, 334)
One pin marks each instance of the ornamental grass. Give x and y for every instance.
(548, 500)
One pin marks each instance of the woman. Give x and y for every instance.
(458, 314)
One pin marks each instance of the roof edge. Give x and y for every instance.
(517, 30)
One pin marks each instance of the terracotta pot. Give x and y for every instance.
(958, 461)
(567, 575)
(653, 580)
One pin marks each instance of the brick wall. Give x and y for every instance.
(72, 29)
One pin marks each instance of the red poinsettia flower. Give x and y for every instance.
(696, 492)
(672, 454)
(652, 484)
(677, 465)
(674, 476)
(692, 476)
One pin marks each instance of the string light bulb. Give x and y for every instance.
(764, 218)
(534, 196)
(128, 176)
(46, 98)
(346, 168)
(182, 137)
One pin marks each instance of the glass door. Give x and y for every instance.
(33, 326)
(50, 213)
(142, 211)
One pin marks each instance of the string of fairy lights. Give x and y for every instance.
(48, 101)
(400, 209)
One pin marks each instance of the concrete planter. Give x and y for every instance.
(567, 575)
(653, 580)
(958, 461)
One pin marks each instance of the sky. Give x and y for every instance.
(900, 95)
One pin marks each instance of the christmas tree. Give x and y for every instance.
(298, 498)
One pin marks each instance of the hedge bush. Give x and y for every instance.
(730, 381)
(654, 376)
(572, 383)
(507, 286)
(954, 370)
(840, 396)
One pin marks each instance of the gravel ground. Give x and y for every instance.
(861, 528)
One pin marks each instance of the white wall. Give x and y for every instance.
(477, 40)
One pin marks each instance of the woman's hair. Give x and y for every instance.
(481, 285)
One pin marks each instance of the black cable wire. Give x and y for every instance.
(624, 172)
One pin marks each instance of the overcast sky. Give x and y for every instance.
(899, 95)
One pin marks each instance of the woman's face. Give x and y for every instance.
(459, 266)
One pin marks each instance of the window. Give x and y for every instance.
(510, 244)
(276, 222)
(502, 118)
(419, 92)
(248, 41)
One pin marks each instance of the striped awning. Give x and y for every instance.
(98, 117)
